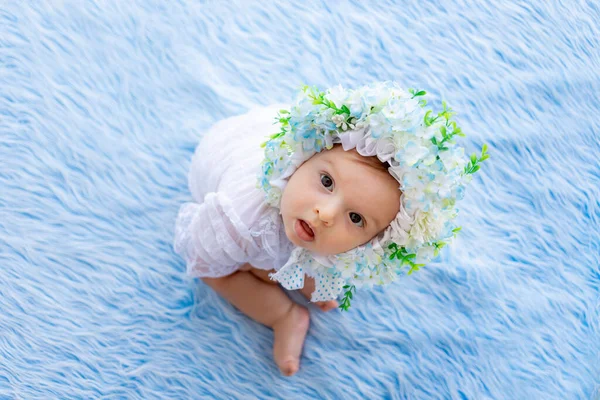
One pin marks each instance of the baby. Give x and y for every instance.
(356, 186)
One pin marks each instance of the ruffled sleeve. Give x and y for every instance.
(211, 238)
(229, 222)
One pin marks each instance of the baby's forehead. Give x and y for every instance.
(338, 153)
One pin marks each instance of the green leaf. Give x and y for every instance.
(484, 157)
(484, 148)
(426, 118)
(457, 229)
(421, 93)
(422, 102)
(474, 158)
(345, 304)
(475, 169)
(414, 268)
(443, 130)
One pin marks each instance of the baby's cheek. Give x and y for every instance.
(341, 242)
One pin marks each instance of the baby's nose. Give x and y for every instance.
(327, 213)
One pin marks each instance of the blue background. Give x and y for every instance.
(102, 104)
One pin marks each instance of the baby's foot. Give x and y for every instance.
(309, 287)
(290, 332)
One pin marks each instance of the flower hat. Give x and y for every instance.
(387, 121)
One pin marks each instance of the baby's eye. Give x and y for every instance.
(357, 219)
(327, 182)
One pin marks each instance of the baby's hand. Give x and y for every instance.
(309, 288)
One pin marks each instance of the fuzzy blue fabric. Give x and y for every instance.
(102, 104)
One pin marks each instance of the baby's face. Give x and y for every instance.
(338, 200)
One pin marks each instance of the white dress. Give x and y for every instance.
(229, 222)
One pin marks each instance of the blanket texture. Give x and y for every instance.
(102, 104)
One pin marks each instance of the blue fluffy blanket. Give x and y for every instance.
(102, 104)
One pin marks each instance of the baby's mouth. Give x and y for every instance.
(304, 231)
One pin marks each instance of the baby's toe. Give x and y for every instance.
(289, 368)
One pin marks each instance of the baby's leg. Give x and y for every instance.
(309, 287)
(269, 305)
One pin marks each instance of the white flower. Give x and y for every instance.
(379, 125)
(453, 158)
(324, 119)
(441, 185)
(274, 196)
(427, 227)
(412, 153)
(356, 104)
(348, 271)
(424, 254)
(371, 256)
(340, 121)
(338, 95)
(431, 155)
(425, 132)
(435, 128)
(375, 95)
(302, 108)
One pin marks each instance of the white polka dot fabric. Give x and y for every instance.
(291, 277)
(327, 287)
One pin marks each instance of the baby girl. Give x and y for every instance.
(357, 188)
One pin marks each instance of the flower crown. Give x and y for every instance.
(390, 122)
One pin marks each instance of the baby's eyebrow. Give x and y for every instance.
(376, 221)
(368, 216)
(330, 164)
